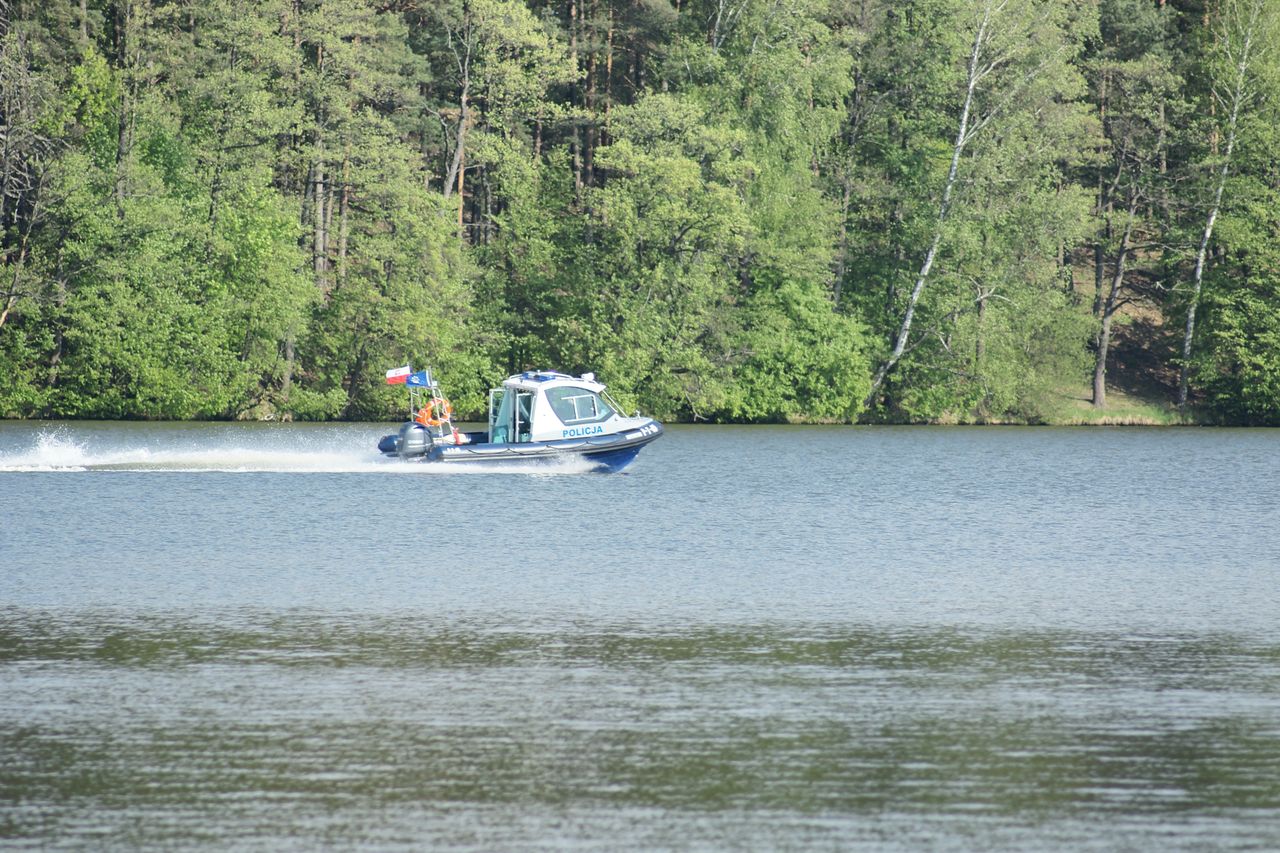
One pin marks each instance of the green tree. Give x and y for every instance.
(1015, 105)
(649, 280)
(1138, 91)
(404, 296)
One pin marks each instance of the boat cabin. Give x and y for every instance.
(546, 406)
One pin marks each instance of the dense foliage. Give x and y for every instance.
(757, 210)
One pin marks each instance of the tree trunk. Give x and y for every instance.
(215, 192)
(330, 201)
(224, 127)
(308, 198)
(608, 75)
(286, 382)
(487, 232)
(593, 130)
(1100, 364)
(457, 167)
(8, 306)
(343, 221)
(453, 180)
(319, 200)
(574, 95)
(288, 167)
(1110, 306)
(842, 253)
(7, 167)
(1103, 212)
(1099, 273)
(637, 72)
(319, 239)
(980, 344)
(122, 129)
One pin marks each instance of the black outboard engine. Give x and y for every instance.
(414, 440)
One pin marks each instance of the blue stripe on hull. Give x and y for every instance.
(615, 460)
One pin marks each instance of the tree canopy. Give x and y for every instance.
(730, 210)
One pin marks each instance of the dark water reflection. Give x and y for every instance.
(167, 730)
(262, 639)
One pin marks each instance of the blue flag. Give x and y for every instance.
(421, 379)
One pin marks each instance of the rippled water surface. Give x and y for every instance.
(253, 637)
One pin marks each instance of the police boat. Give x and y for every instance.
(535, 416)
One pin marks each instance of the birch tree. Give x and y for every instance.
(1244, 38)
(1017, 60)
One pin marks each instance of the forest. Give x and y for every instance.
(947, 211)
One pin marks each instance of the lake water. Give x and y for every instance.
(267, 638)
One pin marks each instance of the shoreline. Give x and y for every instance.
(1103, 421)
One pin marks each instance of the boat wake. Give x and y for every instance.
(61, 450)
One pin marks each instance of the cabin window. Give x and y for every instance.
(578, 405)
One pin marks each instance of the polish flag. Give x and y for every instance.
(398, 375)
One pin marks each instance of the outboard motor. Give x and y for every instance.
(414, 440)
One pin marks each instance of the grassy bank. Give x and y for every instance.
(1122, 409)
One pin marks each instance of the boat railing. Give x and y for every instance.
(429, 407)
